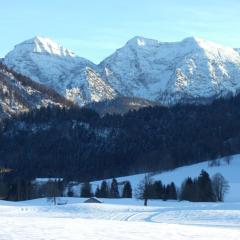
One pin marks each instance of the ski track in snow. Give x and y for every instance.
(115, 219)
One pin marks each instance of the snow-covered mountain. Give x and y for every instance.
(48, 63)
(190, 70)
(20, 94)
(193, 70)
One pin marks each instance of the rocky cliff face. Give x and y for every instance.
(20, 94)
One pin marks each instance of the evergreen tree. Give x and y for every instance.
(70, 192)
(158, 191)
(167, 192)
(114, 192)
(172, 191)
(187, 190)
(98, 192)
(86, 190)
(127, 190)
(104, 190)
(204, 188)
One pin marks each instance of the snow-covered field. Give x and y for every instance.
(128, 218)
(119, 219)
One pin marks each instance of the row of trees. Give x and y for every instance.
(106, 191)
(20, 189)
(204, 189)
(200, 189)
(149, 189)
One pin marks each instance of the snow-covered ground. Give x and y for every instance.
(119, 219)
(128, 218)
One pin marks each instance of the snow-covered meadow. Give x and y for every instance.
(119, 219)
(128, 218)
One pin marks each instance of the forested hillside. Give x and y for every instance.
(78, 144)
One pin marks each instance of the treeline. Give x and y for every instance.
(200, 189)
(204, 189)
(106, 191)
(78, 144)
(20, 189)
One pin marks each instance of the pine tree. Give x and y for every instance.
(86, 190)
(187, 190)
(98, 192)
(172, 191)
(167, 192)
(114, 193)
(158, 190)
(70, 192)
(204, 188)
(104, 190)
(127, 190)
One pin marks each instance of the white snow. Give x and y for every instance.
(119, 219)
(128, 218)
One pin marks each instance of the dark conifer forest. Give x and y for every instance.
(77, 144)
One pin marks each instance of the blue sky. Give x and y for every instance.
(96, 28)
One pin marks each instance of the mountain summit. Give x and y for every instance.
(192, 70)
(185, 71)
(48, 63)
(42, 45)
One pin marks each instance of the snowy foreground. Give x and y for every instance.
(119, 219)
(127, 218)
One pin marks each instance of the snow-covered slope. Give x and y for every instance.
(19, 94)
(190, 70)
(46, 62)
(193, 70)
(178, 175)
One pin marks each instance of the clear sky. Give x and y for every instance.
(96, 28)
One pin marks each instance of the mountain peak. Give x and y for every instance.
(142, 41)
(196, 42)
(43, 45)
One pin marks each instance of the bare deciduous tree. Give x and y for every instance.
(143, 190)
(220, 186)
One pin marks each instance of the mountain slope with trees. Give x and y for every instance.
(78, 144)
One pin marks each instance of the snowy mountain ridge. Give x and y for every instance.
(43, 46)
(173, 72)
(192, 70)
(48, 63)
